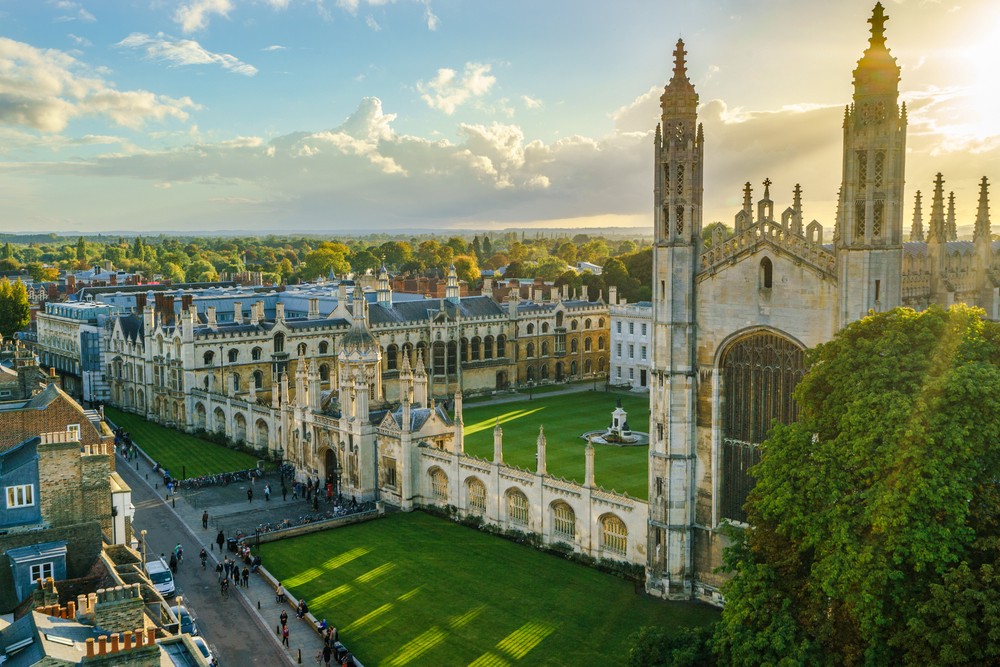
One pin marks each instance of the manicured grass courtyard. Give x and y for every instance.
(565, 418)
(413, 589)
(179, 452)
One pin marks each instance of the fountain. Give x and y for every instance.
(618, 433)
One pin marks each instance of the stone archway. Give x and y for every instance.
(330, 470)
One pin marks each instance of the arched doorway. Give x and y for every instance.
(559, 371)
(759, 372)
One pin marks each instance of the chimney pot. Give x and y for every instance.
(102, 645)
(90, 647)
(71, 609)
(114, 643)
(150, 636)
(127, 637)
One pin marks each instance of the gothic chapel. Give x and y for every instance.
(732, 319)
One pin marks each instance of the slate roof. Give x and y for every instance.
(419, 416)
(131, 326)
(426, 309)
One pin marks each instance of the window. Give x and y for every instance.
(564, 521)
(258, 380)
(587, 345)
(391, 356)
(531, 329)
(766, 273)
(388, 471)
(545, 325)
(631, 374)
(879, 169)
(279, 343)
(74, 431)
(644, 329)
(234, 354)
(517, 508)
(324, 347)
(439, 485)
(530, 350)
(600, 342)
(255, 354)
(586, 323)
(209, 358)
(631, 328)
(301, 350)
(477, 496)
(614, 535)
(618, 372)
(643, 350)
(631, 351)
(573, 346)
(236, 382)
(618, 350)
(20, 496)
(618, 326)
(573, 325)
(545, 348)
(324, 373)
(41, 571)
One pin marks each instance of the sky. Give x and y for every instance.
(360, 116)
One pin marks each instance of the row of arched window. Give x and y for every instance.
(574, 347)
(233, 355)
(588, 323)
(614, 532)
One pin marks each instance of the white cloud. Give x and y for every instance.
(531, 102)
(180, 52)
(274, 47)
(372, 23)
(45, 88)
(196, 14)
(447, 91)
(430, 18)
(80, 41)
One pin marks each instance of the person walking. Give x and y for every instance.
(249, 495)
(267, 492)
(246, 577)
(327, 654)
(220, 539)
(173, 563)
(204, 520)
(283, 618)
(284, 635)
(284, 492)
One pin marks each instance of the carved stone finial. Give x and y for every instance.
(878, 20)
(767, 188)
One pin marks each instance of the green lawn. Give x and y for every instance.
(179, 452)
(565, 418)
(412, 589)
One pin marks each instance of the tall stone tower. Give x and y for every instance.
(677, 195)
(869, 239)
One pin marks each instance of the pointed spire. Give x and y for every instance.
(767, 189)
(658, 137)
(747, 198)
(680, 64)
(797, 210)
(983, 232)
(878, 20)
(917, 230)
(950, 227)
(936, 230)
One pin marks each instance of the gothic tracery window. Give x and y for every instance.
(878, 215)
(879, 175)
(759, 372)
(614, 535)
(859, 220)
(862, 168)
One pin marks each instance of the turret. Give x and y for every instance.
(384, 294)
(917, 230)
(589, 471)
(540, 451)
(497, 443)
(451, 289)
(459, 425)
(951, 227)
(420, 380)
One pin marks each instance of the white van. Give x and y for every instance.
(161, 577)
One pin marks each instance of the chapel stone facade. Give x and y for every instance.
(732, 317)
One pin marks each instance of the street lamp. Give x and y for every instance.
(143, 533)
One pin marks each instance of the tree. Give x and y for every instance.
(477, 248)
(172, 272)
(15, 313)
(362, 260)
(685, 647)
(326, 257)
(487, 246)
(81, 250)
(875, 516)
(467, 268)
(41, 273)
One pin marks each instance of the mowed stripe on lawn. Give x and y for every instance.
(179, 452)
(415, 589)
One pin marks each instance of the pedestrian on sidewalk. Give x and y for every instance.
(220, 539)
(327, 654)
(204, 520)
(316, 503)
(295, 491)
(284, 492)
(246, 577)
(279, 596)
(284, 636)
(267, 492)
(283, 618)
(249, 495)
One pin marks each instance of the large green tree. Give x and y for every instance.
(15, 312)
(874, 536)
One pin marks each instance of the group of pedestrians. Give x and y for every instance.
(228, 569)
(332, 649)
(267, 492)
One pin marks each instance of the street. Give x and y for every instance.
(234, 634)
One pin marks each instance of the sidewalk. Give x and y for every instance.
(229, 510)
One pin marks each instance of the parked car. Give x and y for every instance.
(203, 647)
(188, 624)
(161, 577)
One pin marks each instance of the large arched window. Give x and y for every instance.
(258, 380)
(614, 535)
(209, 358)
(476, 492)
(517, 508)
(279, 343)
(766, 274)
(563, 521)
(324, 373)
(234, 355)
(255, 354)
(759, 372)
(439, 485)
(391, 354)
(324, 347)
